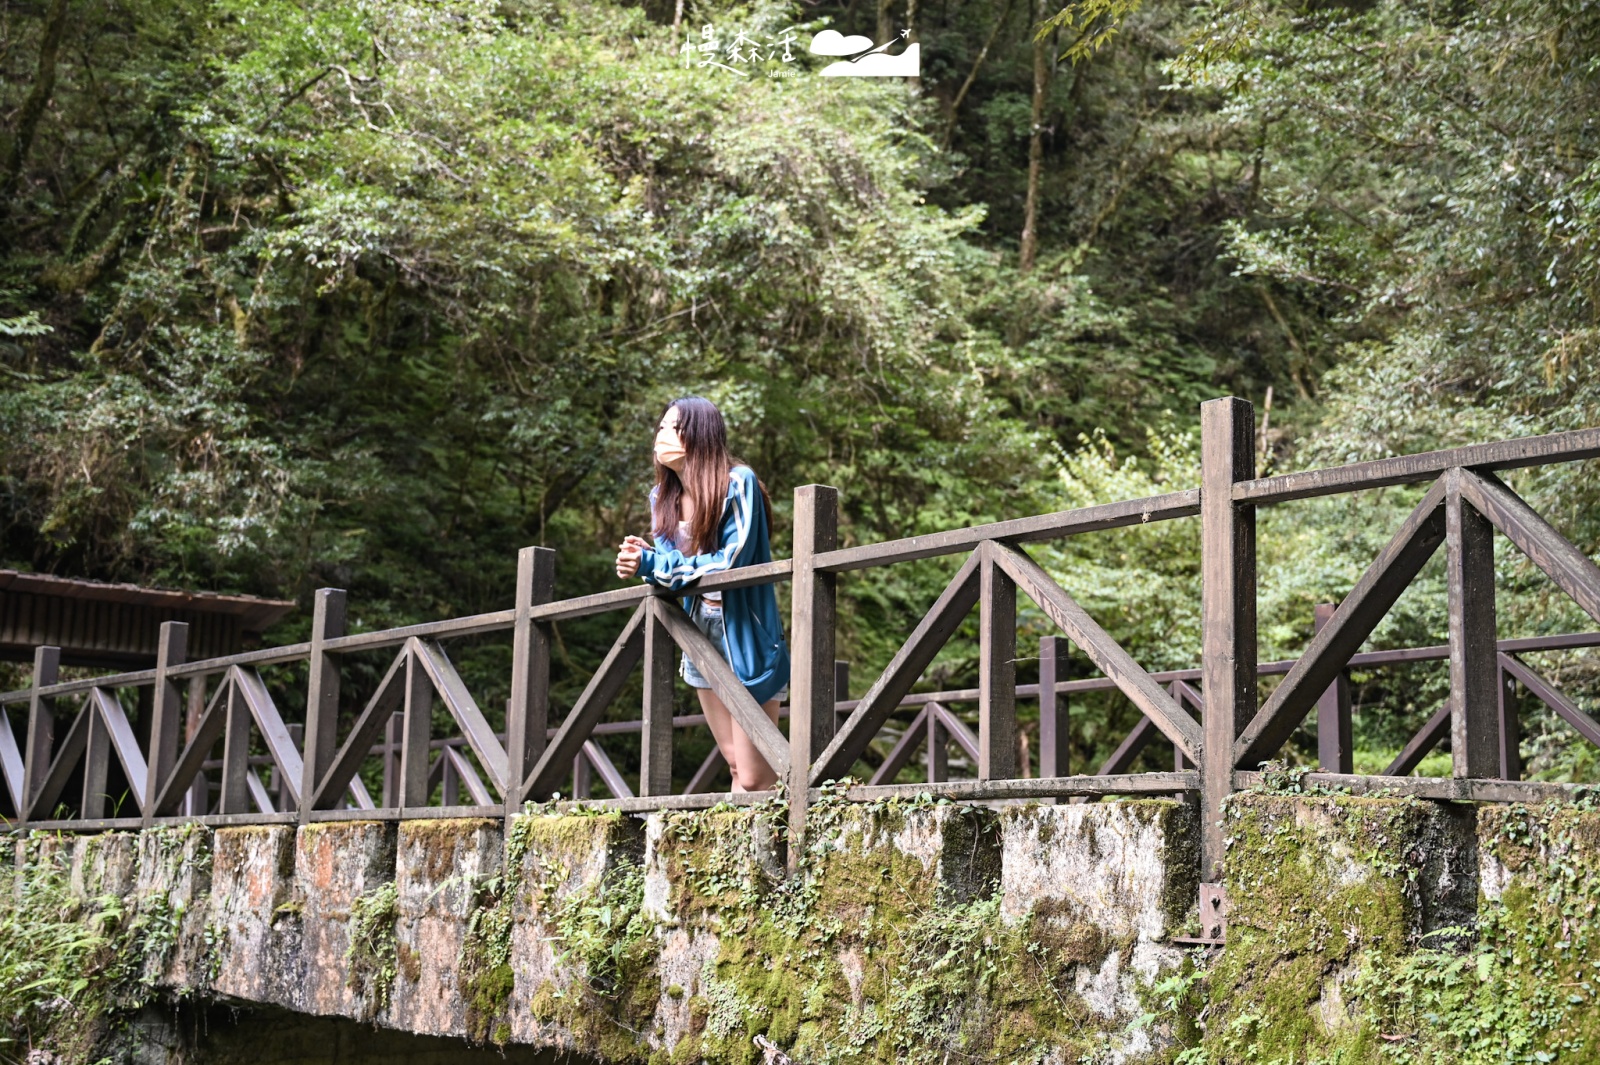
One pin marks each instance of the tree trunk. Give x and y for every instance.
(1041, 83)
(972, 75)
(884, 26)
(44, 83)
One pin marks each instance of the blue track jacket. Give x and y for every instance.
(754, 646)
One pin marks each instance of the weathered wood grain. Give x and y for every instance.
(813, 675)
(1411, 469)
(997, 668)
(655, 740)
(167, 711)
(528, 711)
(1018, 530)
(328, 620)
(1227, 608)
(1474, 670)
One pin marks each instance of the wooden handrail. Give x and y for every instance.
(1463, 508)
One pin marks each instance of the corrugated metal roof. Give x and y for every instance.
(255, 614)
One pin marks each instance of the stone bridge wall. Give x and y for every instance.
(916, 932)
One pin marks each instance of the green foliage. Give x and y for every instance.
(485, 968)
(1091, 22)
(602, 927)
(1525, 990)
(55, 949)
(372, 956)
(76, 958)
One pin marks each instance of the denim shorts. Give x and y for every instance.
(707, 617)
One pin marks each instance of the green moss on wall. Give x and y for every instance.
(1358, 935)
(1363, 930)
(874, 953)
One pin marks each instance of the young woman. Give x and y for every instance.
(710, 513)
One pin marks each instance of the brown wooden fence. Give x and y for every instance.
(216, 719)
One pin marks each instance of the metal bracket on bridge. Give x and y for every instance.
(1213, 919)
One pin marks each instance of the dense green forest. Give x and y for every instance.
(371, 294)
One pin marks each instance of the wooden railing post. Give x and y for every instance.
(1474, 665)
(41, 728)
(1335, 751)
(655, 736)
(322, 695)
(415, 732)
(1228, 611)
(528, 712)
(1510, 726)
(814, 673)
(997, 671)
(449, 781)
(392, 732)
(197, 798)
(166, 713)
(938, 747)
(1053, 755)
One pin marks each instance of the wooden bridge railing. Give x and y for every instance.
(1210, 715)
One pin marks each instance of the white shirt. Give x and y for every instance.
(681, 542)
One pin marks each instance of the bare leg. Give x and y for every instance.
(749, 770)
(722, 727)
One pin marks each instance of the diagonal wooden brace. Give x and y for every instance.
(1107, 655)
(914, 736)
(358, 745)
(206, 733)
(273, 731)
(61, 767)
(766, 736)
(925, 641)
(1569, 567)
(1418, 538)
(1552, 697)
(463, 708)
(602, 688)
(123, 742)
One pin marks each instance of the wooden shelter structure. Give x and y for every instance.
(118, 625)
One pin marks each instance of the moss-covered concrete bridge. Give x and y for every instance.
(977, 919)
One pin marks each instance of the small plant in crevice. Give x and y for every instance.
(373, 954)
(485, 964)
(600, 930)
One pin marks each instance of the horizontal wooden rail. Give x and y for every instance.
(1458, 789)
(1415, 469)
(1184, 504)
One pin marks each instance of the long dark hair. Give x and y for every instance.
(705, 476)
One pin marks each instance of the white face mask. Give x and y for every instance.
(670, 451)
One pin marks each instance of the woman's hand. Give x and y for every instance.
(628, 556)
